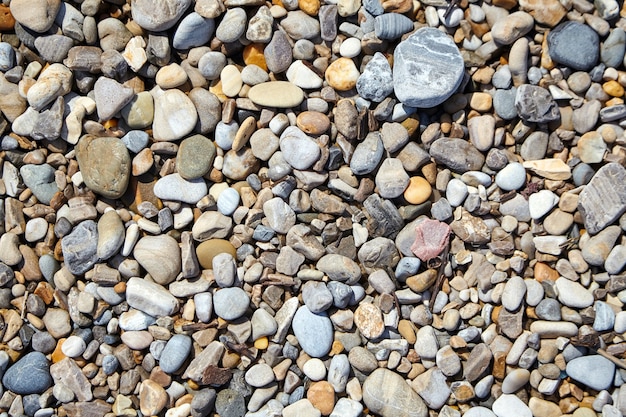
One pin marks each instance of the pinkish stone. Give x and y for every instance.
(431, 238)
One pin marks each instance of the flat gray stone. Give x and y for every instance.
(314, 331)
(603, 200)
(428, 68)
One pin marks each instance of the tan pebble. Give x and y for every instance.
(322, 396)
(171, 76)
(483, 75)
(152, 398)
(407, 330)
(313, 122)
(281, 94)
(142, 162)
(421, 282)
(342, 74)
(231, 81)
(418, 191)
(481, 102)
(544, 273)
(243, 133)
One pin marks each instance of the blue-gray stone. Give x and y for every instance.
(594, 371)
(263, 233)
(7, 56)
(504, 103)
(8, 143)
(613, 48)
(136, 140)
(230, 303)
(535, 104)
(575, 45)
(605, 317)
(367, 154)
(428, 68)
(406, 267)
(376, 81)
(203, 402)
(40, 180)
(342, 293)
(373, 7)
(582, 174)
(29, 375)
(314, 331)
(548, 309)
(48, 266)
(390, 26)
(109, 364)
(193, 30)
(80, 247)
(175, 353)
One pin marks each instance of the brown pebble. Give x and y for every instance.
(322, 396)
(313, 122)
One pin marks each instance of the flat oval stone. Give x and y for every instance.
(387, 393)
(106, 176)
(29, 375)
(314, 331)
(282, 94)
(594, 371)
(195, 157)
(428, 68)
(175, 188)
(175, 353)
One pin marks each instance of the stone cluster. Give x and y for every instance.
(312, 208)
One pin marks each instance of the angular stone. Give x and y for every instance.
(603, 200)
(80, 248)
(457, 154)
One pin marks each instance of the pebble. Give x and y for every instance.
(509, 403)
(594, 371)
(511, 177)
(158, 18)
(342, 74)
(230, 303)
(386, 393)
(603, 200)
(28, 375)
(193, 30)
(433, 51)
(110, 179)
(171, 124)
(174, 187)
(149, 253)
(314, 331)
(512, 27)
(281, 94)
(575, 45)
(376, 81)
(80, 247)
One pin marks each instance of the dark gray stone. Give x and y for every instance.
(80, 247)
(29, 375)
(457, 154)
(603, 200)
(535, 104)
(230, 403)
(575, 45)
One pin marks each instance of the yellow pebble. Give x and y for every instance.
(613, 88)
(337, 348)
(310, 7)
(261, 343)
(418, 191)
(253, 55)
(192, 384)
